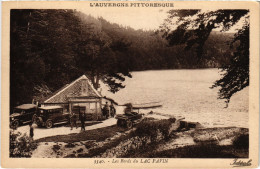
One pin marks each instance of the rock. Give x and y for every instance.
(133, 146)
(217, 134)
(56, 147)
(151, 112)
(174, 127)
(70, 145)
(184, 124)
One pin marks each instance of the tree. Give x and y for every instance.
(192, 28)
(101, 56)
(41, 43)
(103, 61)
(50, 48)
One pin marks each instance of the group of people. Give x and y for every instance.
(109, 111)
(74, 118)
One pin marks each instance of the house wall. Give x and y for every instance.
(92, 107)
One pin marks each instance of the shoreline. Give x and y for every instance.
(123, 143)
(162, 134)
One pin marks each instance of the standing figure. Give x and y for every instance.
(73, 121)
(128, 109)
(112, 110)
(106, 109)
(82, 118)
(31, 131)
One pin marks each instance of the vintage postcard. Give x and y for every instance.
(130, 84)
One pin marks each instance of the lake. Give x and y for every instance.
(185, 93)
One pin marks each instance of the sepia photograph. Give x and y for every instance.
(131, 82)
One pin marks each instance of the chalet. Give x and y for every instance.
(79, 96)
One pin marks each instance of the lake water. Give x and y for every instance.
(185, 93)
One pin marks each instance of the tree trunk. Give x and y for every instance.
(95, 77)
(96, 84)
(28, 26)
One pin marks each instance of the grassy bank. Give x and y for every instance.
(97, 134)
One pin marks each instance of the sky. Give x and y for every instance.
(137, 18)
(144, 18)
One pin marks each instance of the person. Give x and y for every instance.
(103, 111)
(128, 109)
(112, 110)
(106, 109)
(73, 121)
(31, 131)
(82, 120)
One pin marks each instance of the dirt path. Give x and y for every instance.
(62, 130)
(43, 132)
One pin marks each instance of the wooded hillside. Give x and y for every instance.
(50, 48)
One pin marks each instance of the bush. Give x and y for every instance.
(241, 141)
(21, 146)
(153, 128)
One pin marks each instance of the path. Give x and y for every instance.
(62, 130)
(43, 132)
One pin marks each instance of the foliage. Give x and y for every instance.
(192, 28)
(21, 145)
(51, 48)
(152, 128)
(236, 74)
(242, 141)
